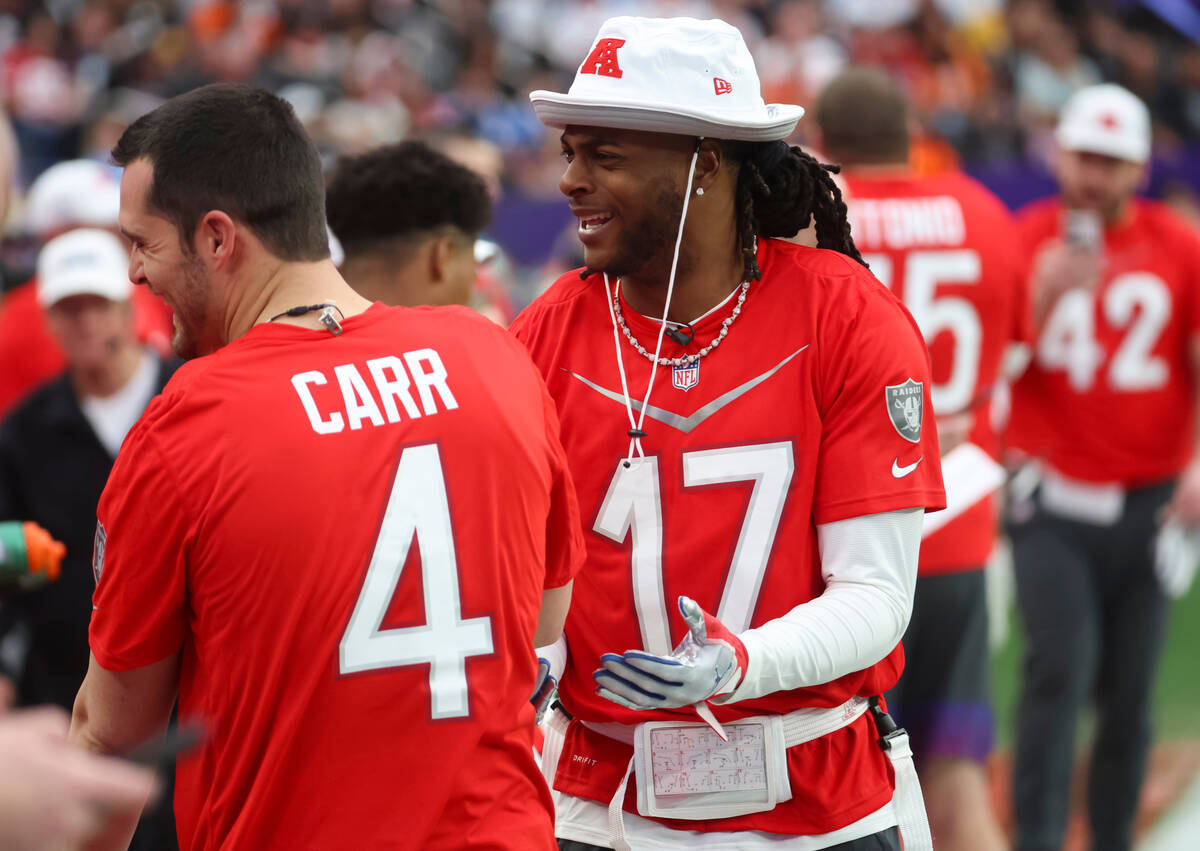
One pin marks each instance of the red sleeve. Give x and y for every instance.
(879, 449)
(139, 606)
(564, 534)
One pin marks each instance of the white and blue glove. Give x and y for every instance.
(708, 662)
(544, 690)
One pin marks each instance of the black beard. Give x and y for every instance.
(644, 249)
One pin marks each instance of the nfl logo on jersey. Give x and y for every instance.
(687, 376)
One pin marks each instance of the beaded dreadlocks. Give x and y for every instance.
(780, 191)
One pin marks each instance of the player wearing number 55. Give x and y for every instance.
(1105, 414)
(338, 532)
(749, 428)
(944, 245)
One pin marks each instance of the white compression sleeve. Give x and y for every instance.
(556, 655)
(869, 564)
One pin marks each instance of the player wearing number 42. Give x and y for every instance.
(350, 610)
(753, 524)
(1105, 411)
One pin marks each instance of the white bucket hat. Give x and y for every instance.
(84, 261)
(1108, 120)
(669, 75)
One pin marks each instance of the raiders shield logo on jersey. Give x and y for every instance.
(905, 402)
(98, 551)
(687, 376)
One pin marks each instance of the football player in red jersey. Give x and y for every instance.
(1106, 410)
(336, 533)
(754, 496)
(944, 244)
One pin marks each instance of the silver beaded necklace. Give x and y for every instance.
(684, 360)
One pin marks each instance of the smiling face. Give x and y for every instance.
(157, 259)
(626, 189)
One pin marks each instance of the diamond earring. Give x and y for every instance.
(699, 190)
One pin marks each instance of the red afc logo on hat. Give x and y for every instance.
(1109, 121)
(722, 87)
(603, 59)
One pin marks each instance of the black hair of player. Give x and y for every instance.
(780, 191)
(396, 191)
(240, 150)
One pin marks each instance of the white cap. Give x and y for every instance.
(1108, 120)
(669, 75)
(75, 193)
(83, 261)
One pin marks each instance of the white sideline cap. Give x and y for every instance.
(669, 75)
(1108, 120)
(83, 261)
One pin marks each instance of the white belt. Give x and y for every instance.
(800, 726)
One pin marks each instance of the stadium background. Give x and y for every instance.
(986, 78)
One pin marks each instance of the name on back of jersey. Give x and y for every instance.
(901, 223)
(378, 391)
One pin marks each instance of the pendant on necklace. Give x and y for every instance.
(687, 376)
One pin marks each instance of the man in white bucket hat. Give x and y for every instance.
(754, 512)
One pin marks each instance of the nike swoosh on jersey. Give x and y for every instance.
(688, 423)
(900, 472)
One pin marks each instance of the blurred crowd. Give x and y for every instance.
(986, 77)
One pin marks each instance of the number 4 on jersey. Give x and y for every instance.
(419, 510)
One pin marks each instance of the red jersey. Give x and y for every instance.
(798, 418)
(347, 538)
(1109, 394)
(29, 354)
(948, 248)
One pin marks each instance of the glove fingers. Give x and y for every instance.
(617, 699)
(630, 691)
(662, 668)
(647, 682)
(693, 616)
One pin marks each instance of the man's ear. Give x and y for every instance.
(216, 238)
(708, 164)
(441, 251)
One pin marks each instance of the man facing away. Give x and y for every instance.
(752, 550)
(407, 218)
(945, 245)
(1106, 409)
(337, 533)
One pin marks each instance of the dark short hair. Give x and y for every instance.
(395, 192)
(863, 117)
(236, 149)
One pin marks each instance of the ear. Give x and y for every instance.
(215, 238)
(709, 160)
(441, 249)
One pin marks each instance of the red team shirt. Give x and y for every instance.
(1109, 395)
(949, 249)
(287, 515)
(787, 426)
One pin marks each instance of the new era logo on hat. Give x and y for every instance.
(669, 75)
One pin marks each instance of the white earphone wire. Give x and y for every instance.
(635, 437)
